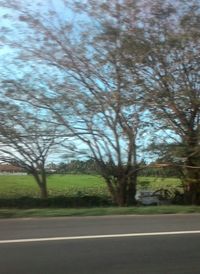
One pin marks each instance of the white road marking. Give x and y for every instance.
(99, 236)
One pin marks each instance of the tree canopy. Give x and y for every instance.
(124, 75)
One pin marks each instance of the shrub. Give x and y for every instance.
(56, 202)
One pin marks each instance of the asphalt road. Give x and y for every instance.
(151, 254)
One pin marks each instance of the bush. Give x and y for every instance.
(56, 202)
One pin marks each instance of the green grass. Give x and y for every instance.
(17, 213)
(13, 186)
(157, 183)
(71, 185)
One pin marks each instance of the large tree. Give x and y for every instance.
(134, 62)
(163, 54)
(92, 96)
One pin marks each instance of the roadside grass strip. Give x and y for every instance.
(99, 211)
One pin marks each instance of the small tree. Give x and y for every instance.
(25, 143)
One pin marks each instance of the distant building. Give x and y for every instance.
(10, 169)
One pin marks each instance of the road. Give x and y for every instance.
(162, 244)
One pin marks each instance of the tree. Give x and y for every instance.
(25, 143)
(163, 54)
(90, 66)
(78, 167)
(107, 125)
(135, 65)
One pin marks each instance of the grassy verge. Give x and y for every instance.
(19, 213)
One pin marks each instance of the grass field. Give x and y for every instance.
(12, 186)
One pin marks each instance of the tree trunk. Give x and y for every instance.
(192, 183)
(42, 183)
(121, 193)
(123, 190)
(192, 170)
(131, 189)
(43, 191)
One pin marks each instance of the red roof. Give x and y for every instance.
(10, 168)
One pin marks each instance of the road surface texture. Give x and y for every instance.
(165, 244)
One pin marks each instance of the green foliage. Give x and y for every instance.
(144, 184)
(77, 167)
(156, 183)
(56, 202)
